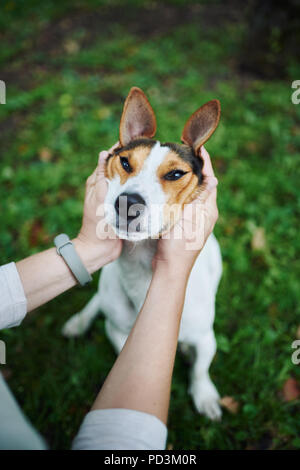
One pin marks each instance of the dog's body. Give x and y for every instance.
(124, 283)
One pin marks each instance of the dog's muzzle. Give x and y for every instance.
(129, 209)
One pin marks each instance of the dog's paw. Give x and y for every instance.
(76, 326)
(206, 399)
(210, 408)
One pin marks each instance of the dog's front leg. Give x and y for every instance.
(79, 323)
(204, 393)
(116, 336)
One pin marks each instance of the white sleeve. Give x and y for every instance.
(13, 303)
(120, 429)
(16, 433)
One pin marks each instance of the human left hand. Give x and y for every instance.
(178, 249)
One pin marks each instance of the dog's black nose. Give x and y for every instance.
(124, 203)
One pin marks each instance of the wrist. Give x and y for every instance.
(93, 255)
(171, 273)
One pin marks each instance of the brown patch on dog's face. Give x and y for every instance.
(135, 156)
(180, 191)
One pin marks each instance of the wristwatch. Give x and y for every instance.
(66, 249)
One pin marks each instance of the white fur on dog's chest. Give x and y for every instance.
(135, 269)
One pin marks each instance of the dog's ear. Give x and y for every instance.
(138, 119)
(201, 125)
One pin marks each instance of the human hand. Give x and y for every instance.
(178, 249)
(94, 247)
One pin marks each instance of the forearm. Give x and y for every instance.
(141, 377)
(45, 275)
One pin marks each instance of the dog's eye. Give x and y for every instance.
(125, 164)
(174, 175)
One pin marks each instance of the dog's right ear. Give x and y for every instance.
(138, 119)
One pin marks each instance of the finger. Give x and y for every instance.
(212, 210)
(114, 147)
(211, 199)
(207, 167)
(208, 189)
(103, 156)
(91, 179)
(101, 183)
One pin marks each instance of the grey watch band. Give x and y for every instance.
(65, 248)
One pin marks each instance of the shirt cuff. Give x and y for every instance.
(120, 429)
(13, 307)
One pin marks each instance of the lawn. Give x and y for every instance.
(68, 67)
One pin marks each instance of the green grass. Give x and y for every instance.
(68, 70)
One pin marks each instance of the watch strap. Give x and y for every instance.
(66, 249)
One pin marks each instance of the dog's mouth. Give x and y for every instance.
(133, 230)
(141, 221)
(132, 236)
(140, 228)
(140, 231)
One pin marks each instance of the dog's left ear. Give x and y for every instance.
(201, 125)
(138, 118)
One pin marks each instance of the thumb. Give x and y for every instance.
(101, 184)
(101, 165)
(103, 156)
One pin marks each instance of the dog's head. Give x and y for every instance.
(149, 182)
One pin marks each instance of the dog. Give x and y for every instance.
(148, 173)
